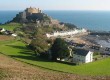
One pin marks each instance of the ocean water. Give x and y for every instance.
(7, 15)
(92, 20)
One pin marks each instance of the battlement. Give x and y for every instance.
(33, 10)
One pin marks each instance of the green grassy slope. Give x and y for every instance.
(10, 26)
(18, 50)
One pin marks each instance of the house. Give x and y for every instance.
(107, 49)
(14, 35)
(95, 47)
(7, 32)
(82, 56)
(2, 29)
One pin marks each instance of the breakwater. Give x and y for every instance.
(100, 33)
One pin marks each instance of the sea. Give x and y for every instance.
(91, 20)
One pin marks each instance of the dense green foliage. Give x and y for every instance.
(39, 44)
(59, 49)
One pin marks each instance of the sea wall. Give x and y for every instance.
(66, 33)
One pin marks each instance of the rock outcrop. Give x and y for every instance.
(30, 15)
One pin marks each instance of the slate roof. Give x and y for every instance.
(95, 47)
(80, 45)
(81, 52)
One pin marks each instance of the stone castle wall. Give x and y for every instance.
(33, 10)
(66, 33)
(28, 13)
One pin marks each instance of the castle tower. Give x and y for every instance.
(32, 10)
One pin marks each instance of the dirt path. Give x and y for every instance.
(4, 37)
(11, 69)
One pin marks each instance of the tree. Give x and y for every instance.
(59, 49)
(39, 44)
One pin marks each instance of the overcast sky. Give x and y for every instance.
(56, 4)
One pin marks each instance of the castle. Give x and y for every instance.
(29, 11)
(34, 15)
(29, 14)
(32, 10)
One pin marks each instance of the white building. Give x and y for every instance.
(14, 35)
(66, 33)
(2, 30)
(82, 56)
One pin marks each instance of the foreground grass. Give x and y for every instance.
(10, 26)
(2, 74)
(18, 50)
(11, 69)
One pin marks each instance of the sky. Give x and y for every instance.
(55, 4)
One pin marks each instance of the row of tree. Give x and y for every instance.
(59, 48)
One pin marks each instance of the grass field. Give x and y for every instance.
(10, 26)
(18, 50)
(11, 69)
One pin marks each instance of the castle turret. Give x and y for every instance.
(32, 10)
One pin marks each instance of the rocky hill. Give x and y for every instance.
(30, 15)
(35, 15)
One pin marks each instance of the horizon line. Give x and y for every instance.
(55, 10)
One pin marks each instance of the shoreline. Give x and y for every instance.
(99, 39)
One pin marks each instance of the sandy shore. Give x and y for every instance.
(79, 38)
(90, 40)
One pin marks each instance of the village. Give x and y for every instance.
(81, 49)
(7, 32)
(85, 50)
